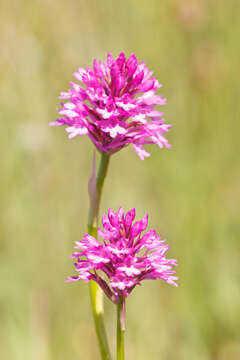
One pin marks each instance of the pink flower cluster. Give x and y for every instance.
(125, 257)
(115, 106)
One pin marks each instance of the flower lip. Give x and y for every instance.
(115, 106)
(127, 256)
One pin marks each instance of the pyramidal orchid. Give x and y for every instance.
(115, 106)
(126, 257)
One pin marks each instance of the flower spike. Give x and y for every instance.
(125, 258)
(115, 106)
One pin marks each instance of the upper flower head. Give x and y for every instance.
(126, 256)
(115, 107)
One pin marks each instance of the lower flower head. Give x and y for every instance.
(125, 258)
(115, 106)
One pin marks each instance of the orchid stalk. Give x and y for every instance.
(121, 312)
(95, 187)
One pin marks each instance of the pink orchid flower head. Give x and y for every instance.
(115, 106)
(126, 256)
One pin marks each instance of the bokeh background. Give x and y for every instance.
(191, 191)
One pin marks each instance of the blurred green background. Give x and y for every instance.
(191, 191)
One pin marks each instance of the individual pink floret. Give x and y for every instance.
(126, 256)
(115, 106)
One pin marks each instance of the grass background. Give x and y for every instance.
(191, 191)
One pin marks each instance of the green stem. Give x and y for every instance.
(96, 293)
(95, 198)
(120, 328)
